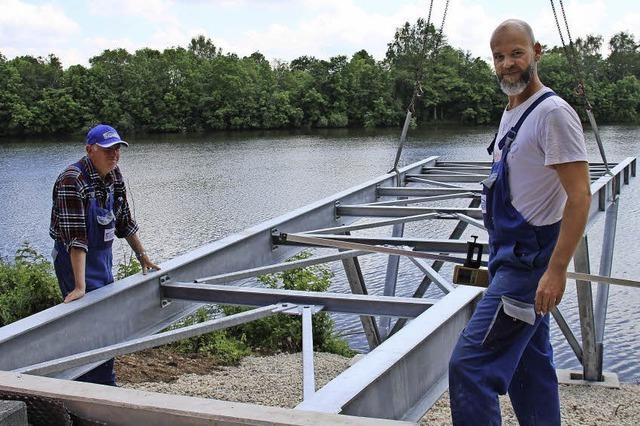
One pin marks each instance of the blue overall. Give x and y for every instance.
(505, 346)
(100, 223)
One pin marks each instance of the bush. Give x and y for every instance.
(28, 285)
(128, 267)
(227, 350)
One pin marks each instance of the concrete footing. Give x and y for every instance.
(13, 413)
(568, 377)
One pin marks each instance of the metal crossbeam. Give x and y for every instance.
(308, 373)
(405, 307)
(432, 182)
(431, 245)
(388, 385)
(279, 267)
(376, 224)
(101, 354)
(387, 191)
(449, 177)
(424, 199)
(393, 211)
(433, 275)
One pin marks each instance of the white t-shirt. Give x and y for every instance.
(551, 134)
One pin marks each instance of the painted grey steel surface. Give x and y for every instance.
(132, 307)
(391, 277)
(606, 261)
(376, 224)
(308, 373)
(585, 309)
(458, 178)
(357, 285)
(424, 192)
(420, 244)
(126, 407)
(393, 211)
(424, 199)
(405, 307)
(279, 267)
(433, 275)
(568, 334)
(155, 340)
(385, 384)
(407, 373)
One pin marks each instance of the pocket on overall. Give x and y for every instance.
(106, 225)
(511, 317)
(526, 252)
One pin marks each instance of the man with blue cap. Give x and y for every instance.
(535, 204)
(90, 210)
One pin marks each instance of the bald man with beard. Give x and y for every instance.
(535, 205)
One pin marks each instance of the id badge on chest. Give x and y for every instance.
(109, 234)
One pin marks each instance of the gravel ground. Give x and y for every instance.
(269, 380)
(277, 381)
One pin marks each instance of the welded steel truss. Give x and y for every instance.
(406, 370)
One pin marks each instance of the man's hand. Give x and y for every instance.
(147, 264)
(77, 293)
(550, 290)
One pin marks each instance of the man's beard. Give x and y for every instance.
(517, 87)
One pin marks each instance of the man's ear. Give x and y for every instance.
(537, 48)
(88, 148)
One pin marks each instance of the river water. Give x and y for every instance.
(187, 190)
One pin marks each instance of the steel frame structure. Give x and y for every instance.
(384, 384)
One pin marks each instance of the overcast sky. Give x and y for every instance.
(281, 29)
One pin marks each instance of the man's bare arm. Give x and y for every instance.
(143, 258)
(574, 178)
(78, 264)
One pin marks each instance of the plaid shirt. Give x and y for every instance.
(70, 201)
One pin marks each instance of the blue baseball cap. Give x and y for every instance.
(104, 136)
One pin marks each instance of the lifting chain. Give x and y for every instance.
(420, 75)
(572, 58)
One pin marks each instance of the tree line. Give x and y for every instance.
(200, 88)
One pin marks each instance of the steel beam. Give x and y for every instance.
(585, 308)
(404, 202)
(315, 241)
(436, 266)
(391, 278)
(356, 283)
(568, 334)
(432, 182)
(279, 267)
(449, 177)
(392, 211)
(387, 191)
(463, 169)
(471, 221)
(119, 406)
(147, 342)
(606, 261)
(405, 307)
(433, 275)
(308, 373)
(376, 224)
(421, 244)
(602, 290)
(139, 296)
(386, 384)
